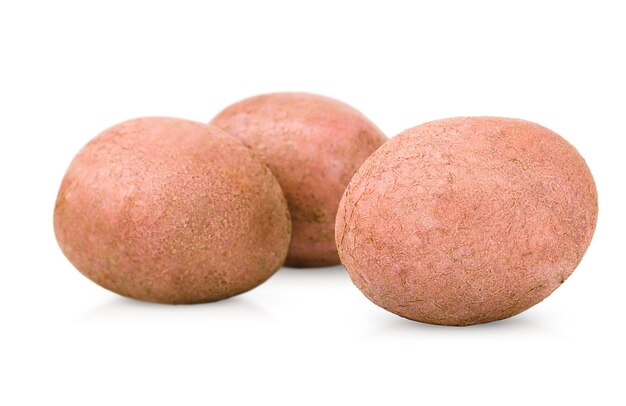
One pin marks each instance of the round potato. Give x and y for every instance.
(467, 220)
(171, 211)
(313, 145)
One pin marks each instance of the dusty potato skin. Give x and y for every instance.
(171, 211)
(313, 145)
(467, 220)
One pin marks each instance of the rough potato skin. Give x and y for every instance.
(467, 220)
(171, 211)
(313, 145)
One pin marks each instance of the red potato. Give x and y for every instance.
(467, 220)
(171, 211)
(313, 145)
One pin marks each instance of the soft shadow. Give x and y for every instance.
(334, 274)
(521, 326)
(126, 309)
(320, 270)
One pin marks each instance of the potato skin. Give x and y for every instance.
(171, 211)
(467, 220)
(313, 145)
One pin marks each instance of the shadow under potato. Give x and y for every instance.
(123, 308)
(329, 275)
(518, 327)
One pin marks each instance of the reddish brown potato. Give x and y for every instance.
(313, 145)
(171, 211)
(467, 220)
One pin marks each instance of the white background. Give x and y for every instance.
(68, 70)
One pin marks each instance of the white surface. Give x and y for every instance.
(69, 70)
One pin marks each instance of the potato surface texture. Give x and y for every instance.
(171, 211)
(313, 145)
(467, 220)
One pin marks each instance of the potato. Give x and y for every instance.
(313, 145)
(171, 211)
(467, 220)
